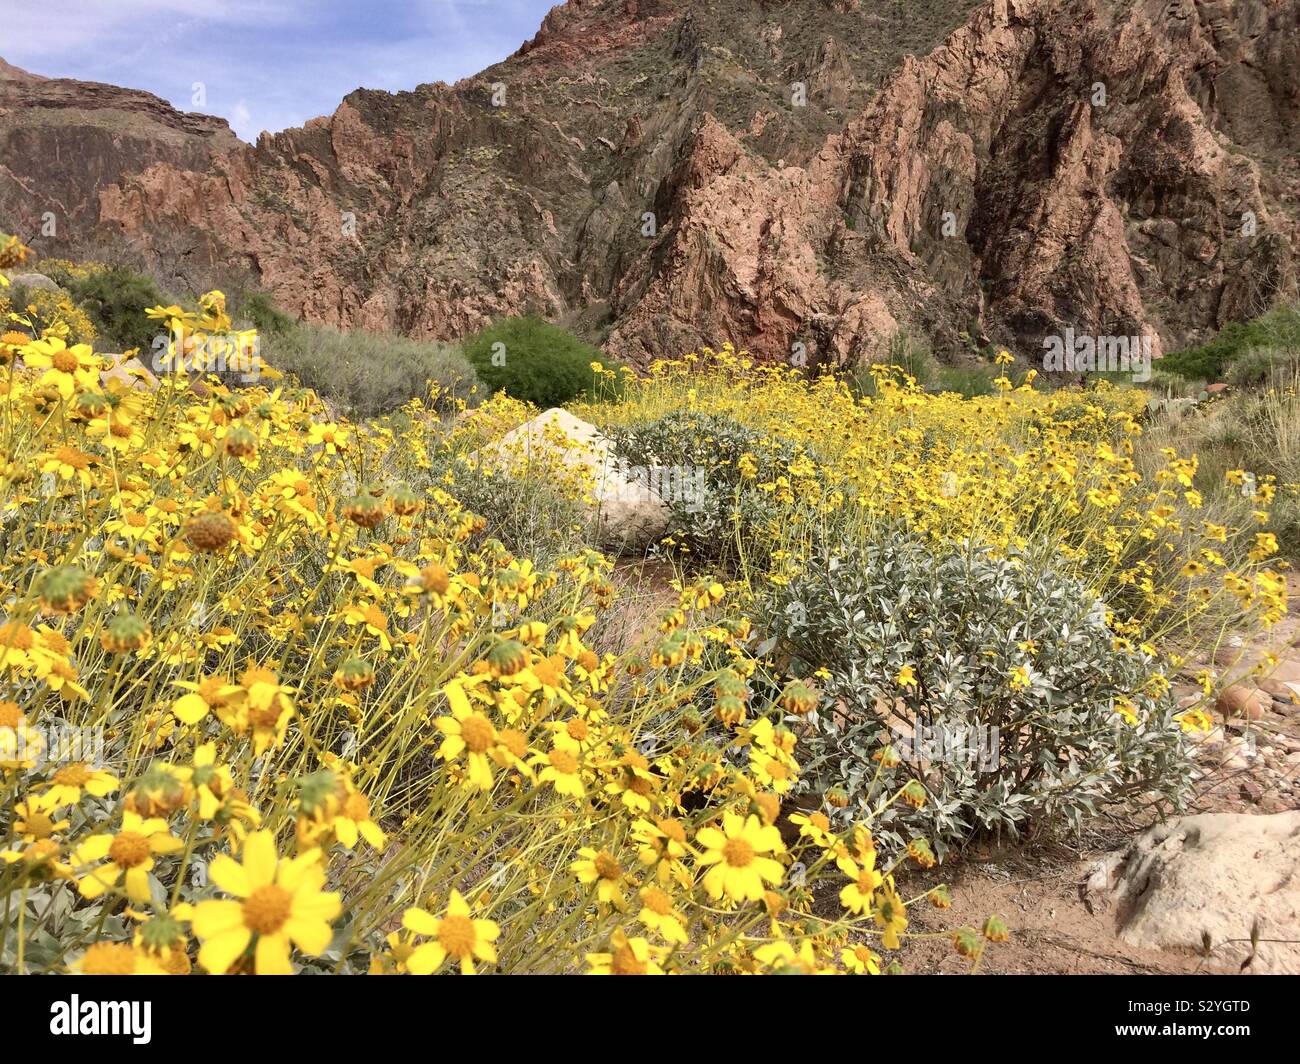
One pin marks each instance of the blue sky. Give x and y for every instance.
(265, 64)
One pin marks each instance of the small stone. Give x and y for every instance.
(1239, 701)
(1251, 791)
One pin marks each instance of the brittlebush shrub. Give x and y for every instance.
(286, 649)
(996, 681)
(533, 360)
(38, 310)
(719, 512)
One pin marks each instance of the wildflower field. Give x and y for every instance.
(283, 692)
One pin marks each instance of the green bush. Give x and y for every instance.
(729, 515)
(115, 299)
(1005, 749)
(967, 381)
(1261, 367)
(364, 373)
(527, 513)
(1280, 328)
(260, 311)
(44, 308)
(533, 360)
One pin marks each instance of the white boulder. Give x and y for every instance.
(625, 511)
(1216, 874)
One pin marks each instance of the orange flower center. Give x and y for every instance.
(38, 825)
(738, 853)
(478, 732)
(673, 830)
(657, 901)
(72, 775)
(514, 741)
(564, 762)
(17, 636)
(624, 962)
(129, 849)
(456, 936)
(266, 717)
(267, 909)
(65, 361)
(607, 867)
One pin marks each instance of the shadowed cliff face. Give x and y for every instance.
(663, 174)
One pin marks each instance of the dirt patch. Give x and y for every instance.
(1055, 928)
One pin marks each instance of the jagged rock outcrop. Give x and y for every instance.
(663, 174)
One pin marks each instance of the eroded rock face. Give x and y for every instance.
(1216, 874)
(652, 178)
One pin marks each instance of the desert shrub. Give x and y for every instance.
(723, 512)
(1248, 459)
(13, 252)
(966, 381)
(1280, 328)
(39, 309)
(115, 299)
(531, 514)
(1004, 673)
(67, 274)
(1174, 385)
(914, 358)
(533, 360)
(365, 373)
(1261, 366)
(260, 311)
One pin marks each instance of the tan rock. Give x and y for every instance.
(1239, 701)
(34, 281)
(1216, 874)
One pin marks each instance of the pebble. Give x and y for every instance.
(1239, 701)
